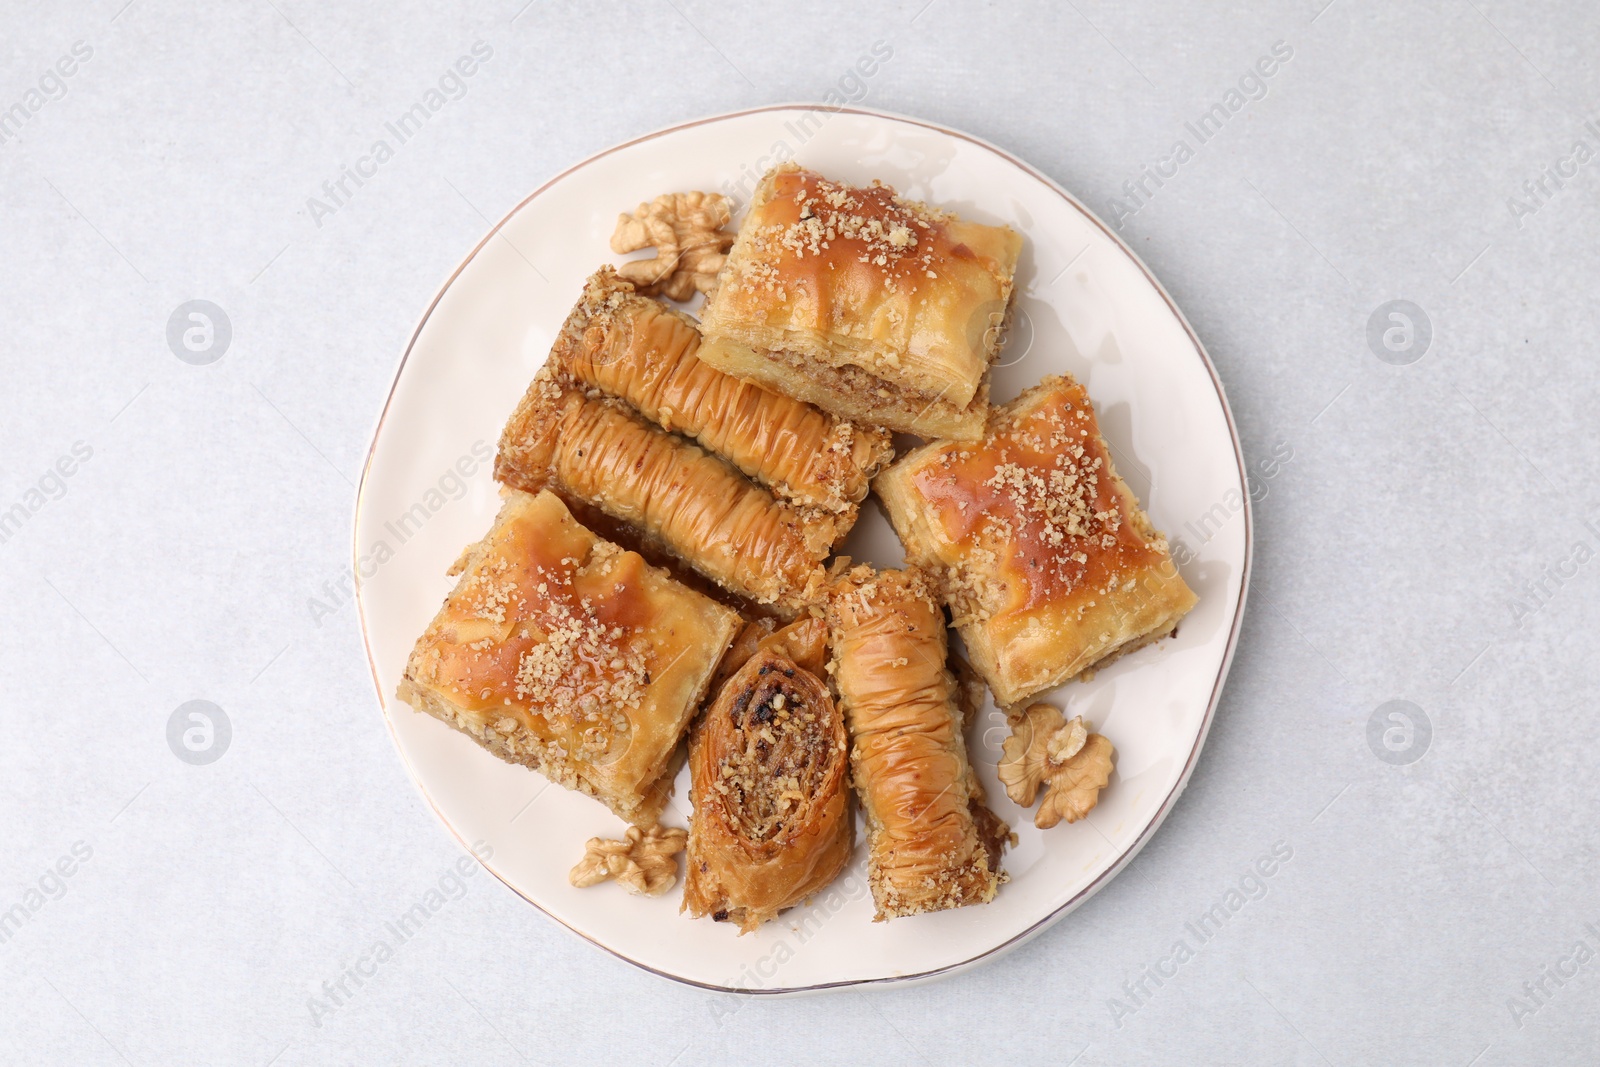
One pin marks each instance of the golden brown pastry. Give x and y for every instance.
(881, 310)
(562, 652)
(933, 844)
(625, 535)
(686, 499)
(1046, 559)
(772, 821)
(805, 641)
(746, 643)
(644, 352)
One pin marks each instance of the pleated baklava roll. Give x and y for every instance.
(643, 352)
(932, 844)
(679, 496)
(772, 822)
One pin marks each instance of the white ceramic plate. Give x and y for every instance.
(1086, 305)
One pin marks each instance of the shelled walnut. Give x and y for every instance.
(1046, 750)
(642, 862)
(686, 231)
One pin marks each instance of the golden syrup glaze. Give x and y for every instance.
(581, 642)
(1040, 494)
(637, 349)
(695, 504)
(901, 289)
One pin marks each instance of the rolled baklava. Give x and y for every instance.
(805, 640)
(562, 652)
(772, 822)
(641, 351)
(675, 493)
(932, 844)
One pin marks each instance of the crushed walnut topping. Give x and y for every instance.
(1045, 750)
(581, 663)
(642, 862)
(573, 667)
(494, 590)
(869, 225)
(1039, 492)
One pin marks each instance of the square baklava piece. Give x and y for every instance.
(562, 652)
(1047, 561)
(879, 309)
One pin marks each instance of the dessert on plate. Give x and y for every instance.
(663, 565)
(1048, 563)
(676, 494)
(566, 654)
(641, 351)
(932, 843)
(772, 819)
(877, 308)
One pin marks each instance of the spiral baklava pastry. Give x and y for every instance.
(772, 822)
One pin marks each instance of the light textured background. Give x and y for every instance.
(1422, 504)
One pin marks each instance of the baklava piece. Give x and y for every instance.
(805, 640)
(879, 309)
(562, 652)
(772, 821)
(639, 350)
(931, 842)
(1047, 561)
(691, 503)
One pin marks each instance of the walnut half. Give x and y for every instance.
(642, 862)
(686, 231)
(1044, 749)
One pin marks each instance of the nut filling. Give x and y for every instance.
(778, 751)
(768, 770)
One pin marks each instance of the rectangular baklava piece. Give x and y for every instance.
(879, 309)
(1046, 559)
(562, 652)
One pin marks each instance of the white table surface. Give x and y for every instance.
(1422, 543)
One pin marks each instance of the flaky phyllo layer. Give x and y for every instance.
(689, 501)
(641, 351)
(1047, 561)
(877, 308)
(772, 821)
(564, 653)
(933, 844)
